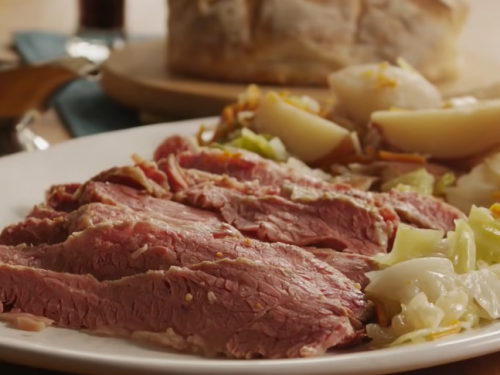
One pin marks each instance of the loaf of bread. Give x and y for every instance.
(299, 42)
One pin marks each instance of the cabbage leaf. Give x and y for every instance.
(419, 181)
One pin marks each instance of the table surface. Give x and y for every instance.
(148, 17)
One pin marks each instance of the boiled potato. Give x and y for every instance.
(364, 89)
(305, 135)
(446, 133)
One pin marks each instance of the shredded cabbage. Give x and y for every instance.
(431, 295)
(429, 287)
(302, 167)
(444, 182)
(478, 187)
(419, 181)
(271, 148)
(412, 243)
(484, 286)
(462, 247)
(487, 234)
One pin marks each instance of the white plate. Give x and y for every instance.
(23, 180)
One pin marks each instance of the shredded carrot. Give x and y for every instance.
(228, 115)
(495, 210)
(225, 155)
(396, 156)
(199, 135)
(382, 318)
(370, 151)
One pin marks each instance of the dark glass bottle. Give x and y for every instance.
(101, 28)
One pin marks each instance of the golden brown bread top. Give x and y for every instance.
(301, 41)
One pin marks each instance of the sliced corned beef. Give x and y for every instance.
(239, 308)
(174, 145)
(116, 255)
(153, 208)
(62, 197)
(334, 216)
(110, 242)
(182, 178)
(422, 211)
(143, 176)
(334, 220)
(152, 173)
(43, 211)
(419, 210)
(34, 231)
(245, 166)
(354, 266)
(45, 231)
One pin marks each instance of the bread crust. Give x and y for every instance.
(299, 42)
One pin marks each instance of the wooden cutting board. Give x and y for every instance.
(136, 76)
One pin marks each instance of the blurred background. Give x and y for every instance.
(144, 17)
(148, 17)
(44, 24)
(36, 30)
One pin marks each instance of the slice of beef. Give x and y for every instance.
(333, 220)
(111, 242)
(16, 256)
(257, 209)
(238, 308)
(61, 197)
(245, 166)
(422, 211)
(43, 211)
(143, 176)
(150, 207)
(354, 266)
(33, 231)
(151, 171)
(182, 178)
(136, 177)
(174, 145)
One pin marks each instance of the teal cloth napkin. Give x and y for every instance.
(81, 104)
